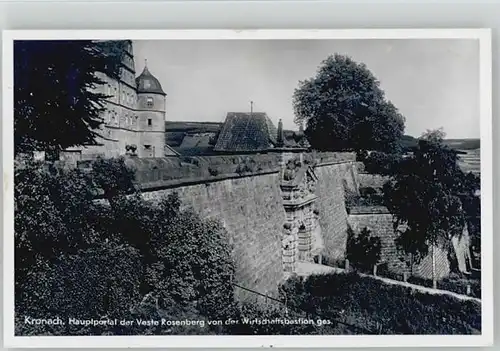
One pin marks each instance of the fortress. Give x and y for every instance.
(282, 204)
(133, 118)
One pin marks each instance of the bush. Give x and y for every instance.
(249, 165)
(113, 177)
(101, 282)
(363, 250)
(213, 171)
(361, 155)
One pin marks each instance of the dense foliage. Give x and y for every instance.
(426, 193)
(374, 306)
(363, 250)
(55, 102)
(367, 197)
(344, 108)
(77, 257)
(455, 283)
(471, 204)
(381, 163)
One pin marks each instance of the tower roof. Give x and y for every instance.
(147, 83)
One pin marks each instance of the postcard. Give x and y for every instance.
(300, 188)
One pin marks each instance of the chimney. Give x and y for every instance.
(280, 137)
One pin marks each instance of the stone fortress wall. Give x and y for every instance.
(279, 208)
(251, 197)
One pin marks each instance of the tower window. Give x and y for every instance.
(150, 122)
(149, 101)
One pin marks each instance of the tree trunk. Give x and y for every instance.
(411, 264)
(434, 282)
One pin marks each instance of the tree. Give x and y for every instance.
(344, 107)
(363, 250)
(192, 263)
(51, 207)
(381, 163)
(99, 282)
(424, 196)
(130, 251)
(113, 177)
(56, 104)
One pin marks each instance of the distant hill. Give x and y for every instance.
(464, 144)
(197, 138)
(410, 142)
(176, 131)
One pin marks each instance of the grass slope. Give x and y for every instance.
(387, 309)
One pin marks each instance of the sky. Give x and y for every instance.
(433, 82)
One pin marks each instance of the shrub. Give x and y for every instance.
(246, 167)
(361, 155)
(112, 177)
(51, 210)
(368, 191)
(363, 250)
(101, 282)
(213, 171)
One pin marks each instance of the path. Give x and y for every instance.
(305, 269)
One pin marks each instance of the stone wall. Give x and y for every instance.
(424, 268)
(160, 172)
(461, 245)
(245, 194)
(330, 189)
(251, 209)
(367, 180)
(380, 222)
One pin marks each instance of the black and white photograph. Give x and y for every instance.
(246, 184)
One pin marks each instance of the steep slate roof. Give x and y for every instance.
(147, 83)
(244, 131)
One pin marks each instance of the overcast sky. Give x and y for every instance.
(434, 83)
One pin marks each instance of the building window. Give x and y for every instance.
(150, 122)
(147, 147)
(149, 101)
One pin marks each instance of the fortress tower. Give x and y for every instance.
(133, 118)
(151, 107)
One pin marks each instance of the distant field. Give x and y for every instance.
(458, 144)
(470, 161)
(464, 144)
